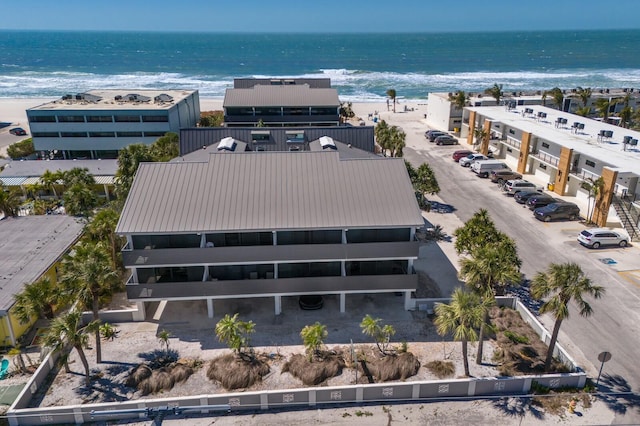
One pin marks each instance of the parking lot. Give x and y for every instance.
(614, 325)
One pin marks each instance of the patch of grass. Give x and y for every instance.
(441, 369)
(364, 413)
(344, 415)
(516, 338)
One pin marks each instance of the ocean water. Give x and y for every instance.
(361, 66)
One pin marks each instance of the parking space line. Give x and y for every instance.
(632, 276)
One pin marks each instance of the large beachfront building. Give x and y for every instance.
(442, 114)
(281, 103)
(563, 149)
(31, 247)
(272, 224)
(98, 123)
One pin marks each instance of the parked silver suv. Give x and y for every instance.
(511, 187)
(596, 237)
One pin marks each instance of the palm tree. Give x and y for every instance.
(495, 91)
(584, 94)
(87, 274)
(235, 333)
(166, 147)
(36, 299)
(397, 141)
(49, 180)
(391, 93)
(583, 111)
(346, 111)
(602, 106)
(381, 334)
(128, 160)
(558, 97)
(487, 272)
(476, 232)
(461, 317)
(479, 133)
(65, 331)
(595, 188)
(383, 135)
(425, 180)
(564, 283)
(459, 99)
(79, 200)
(9, 201)
(313, 337)
(103, 228)
(163, 337)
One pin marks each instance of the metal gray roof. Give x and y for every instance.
(245, 83)
(281, 96)
(361, 137)
(30, 245)
(269, 191)
(32, 168)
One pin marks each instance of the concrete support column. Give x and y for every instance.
(210, 310)
(275, 238)
(343, 268)
(564, 167)
(141, 312)
(523, 159)
(412, 234)
(278, 304)
(344, 236)
(130, 242)
(408, 304)
(106, 192)
(603, 200)
(343, 302)
(410, 266)
(472, 127)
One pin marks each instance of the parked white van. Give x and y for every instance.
(484, 167)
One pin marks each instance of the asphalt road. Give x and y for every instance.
(615, 323)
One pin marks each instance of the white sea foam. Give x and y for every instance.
(353, 85)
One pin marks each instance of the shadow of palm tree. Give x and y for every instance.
(523, 293)
(518, 407)
(617, 394)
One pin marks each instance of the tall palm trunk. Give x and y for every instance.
(465, 357)
(96, 317)
(481, 338)
(552, 344)
(85, 364)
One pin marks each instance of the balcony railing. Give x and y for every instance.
(268, 287)
(269, 254)
(584, 174)
(546, 158)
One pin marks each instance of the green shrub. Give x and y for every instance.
(516, 338)
(539, 389)
(21, 149)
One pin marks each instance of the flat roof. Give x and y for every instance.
(130, 99)
(296, 95)
(270, 191)
(29, 246)
(34, 168)
(586, 141)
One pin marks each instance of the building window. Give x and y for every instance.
(73, 134)
(511, 131)
(102, 134)
(99, 119)
(590, 163)
(296, 136)
(127, 118)
(43, 119)
(154, 134)
(71, 119)
(45, 135)
(129, 134)
(545, 145)
(155, 118)
(509, 150)
(542, 166)
(259, 136)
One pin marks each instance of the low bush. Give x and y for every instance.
(441, 369)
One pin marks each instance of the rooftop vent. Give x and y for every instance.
(227, 144)
(327, 143)
(133, 97)
(163, 97)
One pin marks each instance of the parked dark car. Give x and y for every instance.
(457, 155)
(558, 210)
(311, 302)
(446, 140)
(434, 134)
(501, 176)
(523, 196)
(540, 200)
(18, 131)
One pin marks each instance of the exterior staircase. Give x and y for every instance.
(629, 215)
